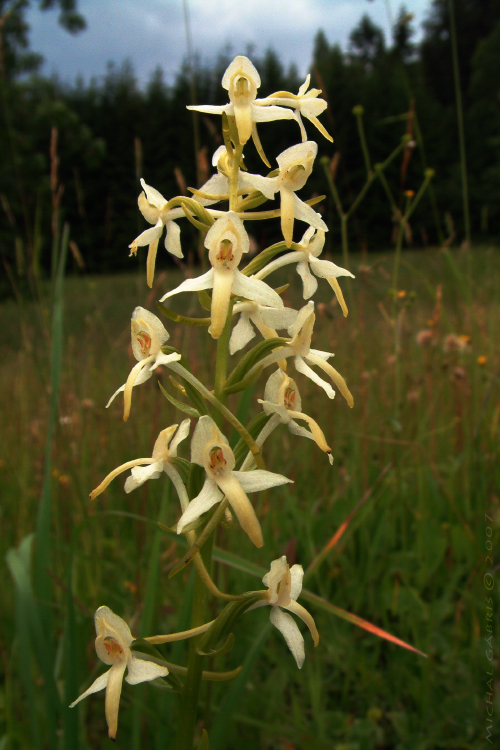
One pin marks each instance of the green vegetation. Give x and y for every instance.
(410, 561)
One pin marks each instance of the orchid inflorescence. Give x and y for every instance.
(240, 295)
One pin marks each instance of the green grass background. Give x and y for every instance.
(412, 561)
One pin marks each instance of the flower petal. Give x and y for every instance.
(141, 474)
(256, 290)
(221, 295)
(212, 109)
(241, 505)
(97, 685)
(173, 239)
(304, 212)
(242, 333)
(274, 317)
(181, 434)
(110, 625)
(287, 214)
(205, 281)
(149, 235)
(290, 632)
(206, 431)
(335, 376)
(141, 670)
(326, 269)
(265, 185)
(208, 497)
(296, 429)
(113, 693)
(266, 114)
(304, 615)
(302, 367)
(296, 576)
(132, 379)
(309, 283)
(259, 479)
(153, 196)
(151, 262)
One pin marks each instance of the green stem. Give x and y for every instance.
(189, 696)
(221, 363)
(233, 180)
(460, 121)
(362, 138)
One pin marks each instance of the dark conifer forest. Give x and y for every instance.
(108, 133)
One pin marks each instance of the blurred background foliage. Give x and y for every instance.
(111, 132)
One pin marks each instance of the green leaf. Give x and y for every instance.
(225, 649)
(193, 395)
(183, 319)
(179, 404)
(264, 257)
(198, 224)
(244, 384)
(205, 300)
(225, 621)
(252, 357)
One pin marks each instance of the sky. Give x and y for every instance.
(152, 33)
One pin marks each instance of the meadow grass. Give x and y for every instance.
(426, 411)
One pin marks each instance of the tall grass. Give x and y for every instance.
(409, 561)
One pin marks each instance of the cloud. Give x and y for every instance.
(152, 32)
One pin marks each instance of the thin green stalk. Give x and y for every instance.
(358, 112)
(189, 697)
(460, 121)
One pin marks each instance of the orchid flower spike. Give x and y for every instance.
(148, 336)
(307, 260)
(282, 401)
(226, 241)
(113, 647)
(265, 319)
(305, 103)
(242, 80)
(143, 469)
(299, 347)
(295, 165)
(210, 449)
(285, 584)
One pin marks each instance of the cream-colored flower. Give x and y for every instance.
(265, 319)
(282, 400)
(299, 347)
(152, 205)
(218, 184)
(307, 260)
(295, 165)
(242, 80)
(285, 584)
(305, 103)
(226, 241)
(151, 468)
(113, 647)
(210, 449)
(148, 336)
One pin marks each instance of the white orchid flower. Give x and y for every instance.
(299, 347)
(295, 165)
(265, 319)
(242, 80)
(148, 336)
(113, 647)
(165, 448)
(210, 449)
(218, 184)
(282, 401)
(285, 584)
(226, 241)
(307, 260)
(305, 103)
(152, 205)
